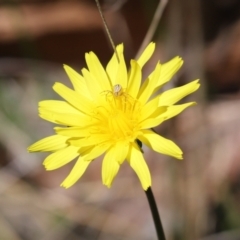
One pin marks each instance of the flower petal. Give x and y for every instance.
(167, 71)
(120, 151)
(98, 72)
(174, 110)
(154, 119)
(160, 144)
(61, 157)
(78, 81)
(149, 85)
(49, 144)
(112, 67)
(95, 152)
(48, 116)
(138, 164)
(77, 171)
(147, 53)
(134, 81)
(77, 100)
(174, 95)
(110, 167)
(122, 75)
(151, 123)
(64, 119)
(73, 131)
(59, 107)
(89, 141)
(92, 83)
(148, 109)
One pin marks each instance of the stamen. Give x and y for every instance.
(117, 114)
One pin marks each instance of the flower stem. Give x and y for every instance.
(155, 214)
(107, 29)
(153, 26)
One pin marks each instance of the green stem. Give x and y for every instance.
(155, 214)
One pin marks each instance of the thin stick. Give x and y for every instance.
(155, 214)
(157, 16)
(107, 29)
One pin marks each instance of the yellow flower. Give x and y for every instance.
(107, 112)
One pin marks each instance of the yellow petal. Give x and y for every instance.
(151, 123)
(58, 107)
(112, 66)
(120, 151)
(169, 69)
(174, 95)
(147, 53)
(78, 81)
(167, 72)
(49, 144)
(98, 72)
(138, 164)
(76, 173)
(110, 167)
(174, 110)
(156, 118)
(149, 85)
(149, 108)
(77, 100)
(159, 112)
(122, 75)
(48, 116)
(95, 152)
(88, 141)
(81, 142)
(64, 119)
(73, 131)
(160, 144)
(134, 81)
(93, 83)
(61, 157)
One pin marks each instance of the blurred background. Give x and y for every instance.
(198, 198)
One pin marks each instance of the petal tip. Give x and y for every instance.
(180, 156)
(152, 44)
(56, 85)
(179, 60)
(119, 48)
(107, 184)
(29, 149)
(194, 104)
(64, 185)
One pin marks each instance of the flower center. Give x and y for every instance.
(117, 115)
